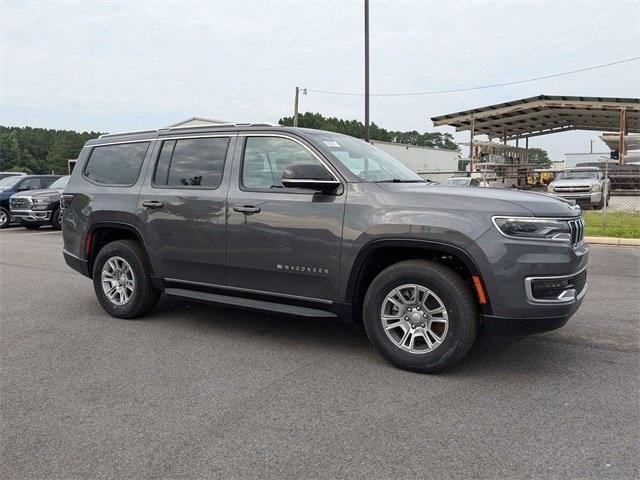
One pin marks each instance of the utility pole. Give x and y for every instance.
(366, 70)
(295, 108)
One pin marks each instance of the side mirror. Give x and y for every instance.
(22, 188)
(310, 176)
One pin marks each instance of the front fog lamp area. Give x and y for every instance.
(551, 289)
(534, 228)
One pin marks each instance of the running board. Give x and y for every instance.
(249, 303)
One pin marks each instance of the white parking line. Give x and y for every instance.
(41, 233)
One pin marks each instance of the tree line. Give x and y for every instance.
(355, 128)
(39, 150)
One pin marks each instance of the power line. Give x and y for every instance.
(482, 87)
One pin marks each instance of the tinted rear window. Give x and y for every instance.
(116, 164)
(193, 162)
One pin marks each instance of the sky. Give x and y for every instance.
(123, 65)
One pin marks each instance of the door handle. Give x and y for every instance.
(152, 204)
(247, 209)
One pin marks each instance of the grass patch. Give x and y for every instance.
(619, 224)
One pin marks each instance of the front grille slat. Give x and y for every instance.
(577, 231)
(20, 203)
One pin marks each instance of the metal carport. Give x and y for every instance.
(546, 114)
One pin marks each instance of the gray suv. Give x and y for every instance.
(316, 224)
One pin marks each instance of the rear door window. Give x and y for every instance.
(191, 163)
(118, 164)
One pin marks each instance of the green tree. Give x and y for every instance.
(538, 158)
(40, 150)
(9, 151)
(355, 128)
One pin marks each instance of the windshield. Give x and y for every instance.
(8, 182)
(458, 181)
(369, 163)
(578, 175)
(60, 184)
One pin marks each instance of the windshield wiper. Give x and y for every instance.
(400, 180)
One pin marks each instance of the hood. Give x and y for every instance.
(493, 200)
(46, 193)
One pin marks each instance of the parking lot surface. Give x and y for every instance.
(196, 391)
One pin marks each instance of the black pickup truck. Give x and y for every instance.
(34, 208)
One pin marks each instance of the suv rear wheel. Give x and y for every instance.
(420, 316)
(122, 282)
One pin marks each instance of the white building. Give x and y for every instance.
(573, 159)
(421, 159)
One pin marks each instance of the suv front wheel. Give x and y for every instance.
(420, 316)
(122, 282)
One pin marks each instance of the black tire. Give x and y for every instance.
(56, 218)
(31, 226)
(457, 299)
(5, 218)
(144, 297)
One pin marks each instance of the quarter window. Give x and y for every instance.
(265, 158)
(116, 164)
(192, 162)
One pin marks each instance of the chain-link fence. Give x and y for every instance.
(609, 195)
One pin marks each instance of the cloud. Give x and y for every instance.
(120, 65)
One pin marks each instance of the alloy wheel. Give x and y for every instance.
(414, 318)
(118, 282)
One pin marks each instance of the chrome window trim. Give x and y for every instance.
(529, 291)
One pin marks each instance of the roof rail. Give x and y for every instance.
(104, 135)
(190, 127)
(221, 125)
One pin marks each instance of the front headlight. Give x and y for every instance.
(534, 228)
(595, 187)
(39, 203)
(550, 188)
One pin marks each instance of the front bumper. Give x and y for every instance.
(509, 269)
(584, 198)
(31, 216)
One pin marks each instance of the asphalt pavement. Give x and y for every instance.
(195, 391)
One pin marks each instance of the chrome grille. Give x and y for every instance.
(20, 203)
(577, 231)
(572, 189)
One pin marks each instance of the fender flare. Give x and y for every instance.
(355, 276)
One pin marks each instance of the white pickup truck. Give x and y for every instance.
(585, 185)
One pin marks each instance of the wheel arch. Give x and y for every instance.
(104, 232)
(379, 254)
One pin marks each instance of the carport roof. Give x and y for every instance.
(544, 114)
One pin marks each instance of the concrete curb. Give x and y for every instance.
(613, 241)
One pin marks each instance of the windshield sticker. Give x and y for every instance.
(332, 143)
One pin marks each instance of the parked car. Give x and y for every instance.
(19, 183)
(466, 182)
(585, 185)
(39, 207)
(317, 224)
(10, 174)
